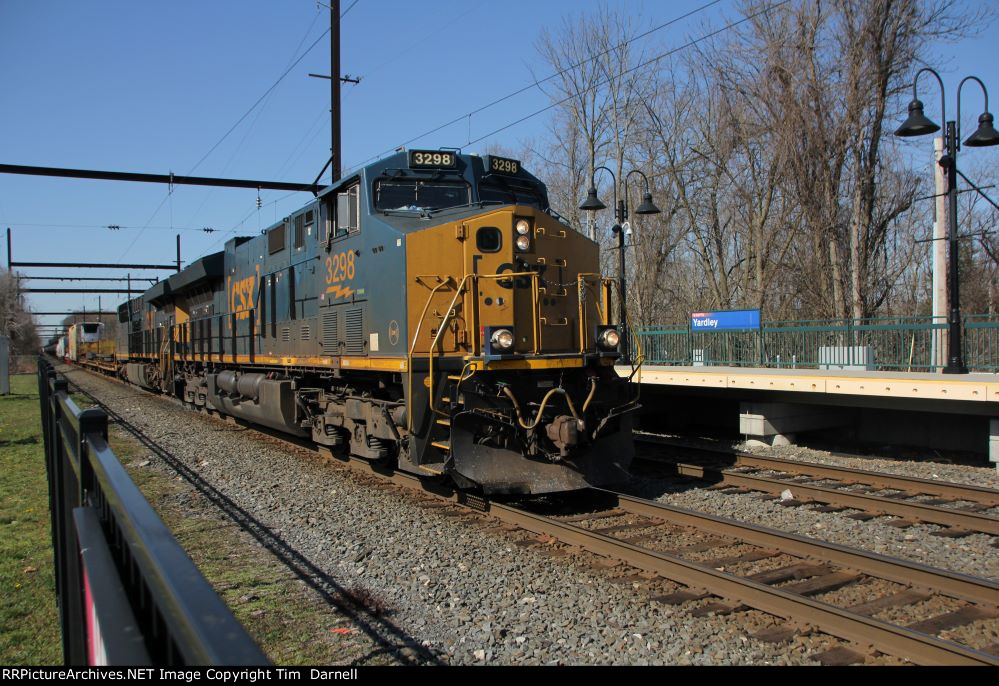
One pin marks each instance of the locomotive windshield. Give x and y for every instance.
(496, 189)
(414, 194)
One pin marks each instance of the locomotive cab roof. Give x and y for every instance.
(488, 181)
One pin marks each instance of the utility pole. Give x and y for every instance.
(336, 158)
(940, 269)
(335, 87)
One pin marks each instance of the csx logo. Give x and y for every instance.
(520, 281)
(241, 294)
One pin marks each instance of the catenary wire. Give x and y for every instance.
(538, 82)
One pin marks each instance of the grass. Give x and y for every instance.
(291, 623)
(29, 620)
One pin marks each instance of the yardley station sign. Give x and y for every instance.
(725, 320)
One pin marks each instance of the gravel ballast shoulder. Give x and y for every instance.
(975, 554)
(467, 594)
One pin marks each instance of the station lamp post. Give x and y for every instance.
(918, 124)
(593, 204)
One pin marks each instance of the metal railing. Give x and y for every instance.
(916, 344)
(127, 593)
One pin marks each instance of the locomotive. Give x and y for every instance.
(430, 310)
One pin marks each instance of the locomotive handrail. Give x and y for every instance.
(127, 592)
(451, 311)
(433, 345)
(581, 285)
(416, 335)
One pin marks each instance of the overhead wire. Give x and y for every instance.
(259, 100)
(538, 82)
(658, 58)
(253, 124)
(265, 94)
(271, 88)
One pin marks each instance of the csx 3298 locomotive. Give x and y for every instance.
(430, 310)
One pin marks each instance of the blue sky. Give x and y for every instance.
(152, 87)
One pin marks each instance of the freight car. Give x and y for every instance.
(430, 310)
(87, 341)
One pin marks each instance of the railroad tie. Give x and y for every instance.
(800, 570)
(753, 556)
(821, 584)
(840, 656)
(594, 515)
(626, 527)
(681, 597)
(949, 620)
(697, 547)
(871, 608)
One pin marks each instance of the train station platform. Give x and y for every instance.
(935, 410)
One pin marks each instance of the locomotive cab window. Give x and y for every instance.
(416, 194)
(505, 192)
(348, 211)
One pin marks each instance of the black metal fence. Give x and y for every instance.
(127, 592)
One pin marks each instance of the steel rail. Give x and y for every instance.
(978, 494)
(954, 584)
(879, 505)
(888, 638)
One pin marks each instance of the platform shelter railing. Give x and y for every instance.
(126, 591)
(903, 343)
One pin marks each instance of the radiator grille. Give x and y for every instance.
(306, 333)
(331, 332)
(355, 332)
(285, 334)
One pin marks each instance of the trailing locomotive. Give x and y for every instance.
(430, 310)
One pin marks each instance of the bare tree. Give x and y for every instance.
(15, 321)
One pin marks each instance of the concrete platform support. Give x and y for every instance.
(994, 442)
(781, 419)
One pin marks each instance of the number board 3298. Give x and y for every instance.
(503, 165)
(432, 159)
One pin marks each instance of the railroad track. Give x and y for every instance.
(877, 603)
(962, 509)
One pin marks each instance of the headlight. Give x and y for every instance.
(523, 227)
(609, 339)
(502, 339)
(523, 243)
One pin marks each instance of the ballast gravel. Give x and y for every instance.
(976, 554)
(460, 591)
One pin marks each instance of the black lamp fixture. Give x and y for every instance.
(986, 133)
(917, 124)
(593, 204)
(647, 206)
